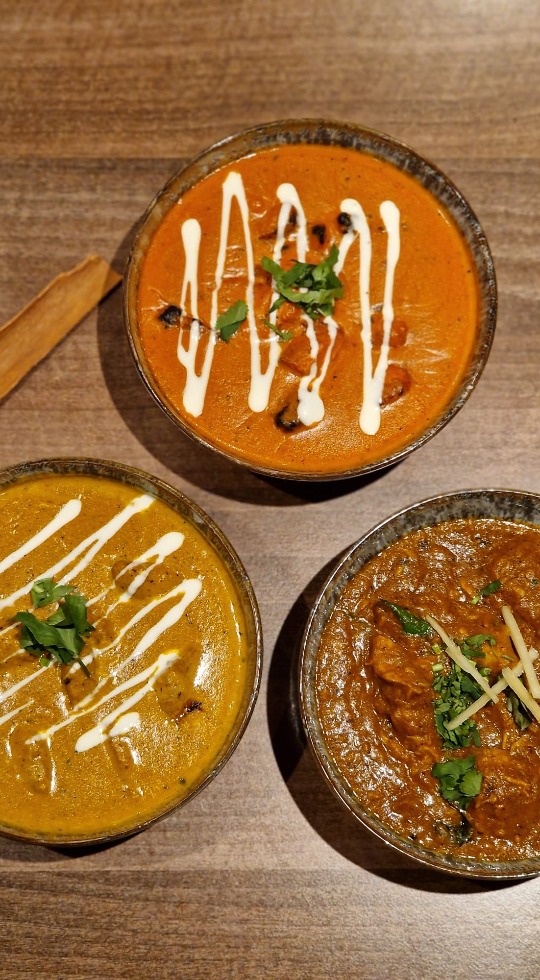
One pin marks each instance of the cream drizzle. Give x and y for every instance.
(11, 714)
(311, 409)
(67, 513)
(166, 545)
(310, 403)
(126, 723)
(373, 381)
(91, 545)
(171, 617)
(190, 588)
(97, 735)
(196, 384)
(10, 691)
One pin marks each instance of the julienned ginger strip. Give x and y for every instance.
(521, 650)
(456, 655)
(497, 688)
(31, 334)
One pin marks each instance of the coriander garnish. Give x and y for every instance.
(456, 690)
(229, 322)
(459, 780)
(313, 288)
(61, 636)
(282, 334)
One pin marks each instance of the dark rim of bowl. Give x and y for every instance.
(507, 505)
(220, 545)
(325, 132)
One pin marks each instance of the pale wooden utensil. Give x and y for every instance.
(31, 334)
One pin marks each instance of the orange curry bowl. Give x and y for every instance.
(311, 299)
(419, 682)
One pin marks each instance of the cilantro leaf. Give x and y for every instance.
(46, 591)
(459, 780)
(314, 288)
(282, 334)
(412, 625)
(229, 322)
(456, 691)
(61, 636)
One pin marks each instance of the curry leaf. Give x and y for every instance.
(519, 712)
(229, 322)
(411, 624)
(488, 589)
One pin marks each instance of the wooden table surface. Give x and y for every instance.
(262, 875)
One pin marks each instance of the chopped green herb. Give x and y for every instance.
(411, 624)
(488, 589)
(229, 322)
(471, 646)
(282, 334)
(456, 691)
(46, 591)
(519, 712)
(62, 635)
(314, 288)
(459, 780)
(534, 581)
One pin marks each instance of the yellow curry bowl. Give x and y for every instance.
(310, 299)
(130, 650)
(419, 683)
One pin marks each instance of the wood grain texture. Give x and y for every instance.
(263, 875)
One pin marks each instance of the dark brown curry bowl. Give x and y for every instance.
(274, 441)
(166, 586)
(351, 689)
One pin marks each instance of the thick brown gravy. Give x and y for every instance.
(375, 686)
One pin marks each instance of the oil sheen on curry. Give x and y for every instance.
(109, 740)
(415, 735)
(356, 305)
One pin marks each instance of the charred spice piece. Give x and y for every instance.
(287, 418)
(344, 221)
(170, 317)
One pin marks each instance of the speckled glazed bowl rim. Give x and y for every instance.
(508, 505)
(216, 540)
(319, 131)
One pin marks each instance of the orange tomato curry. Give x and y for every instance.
(305, 415)
(376, 697)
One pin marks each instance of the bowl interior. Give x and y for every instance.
(314, 131)
(217, 544)
(507, 505)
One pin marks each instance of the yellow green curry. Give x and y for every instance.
(125, 670)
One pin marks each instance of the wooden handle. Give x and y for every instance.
(31, 334)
